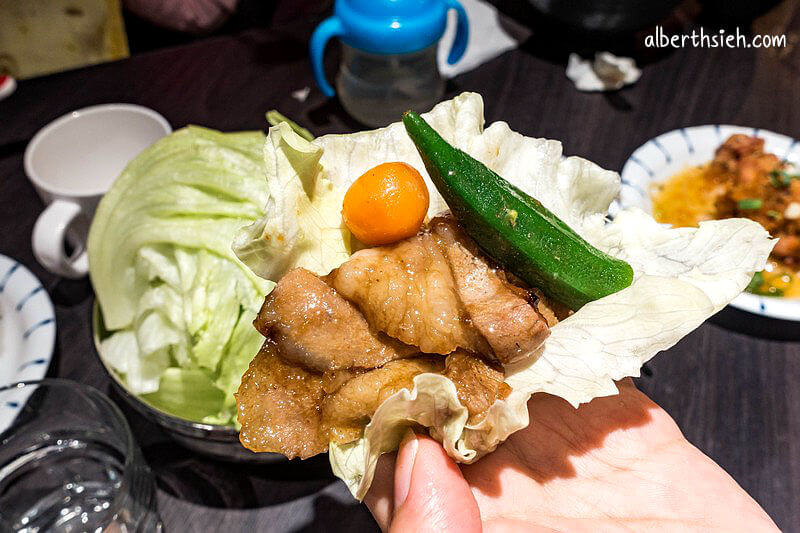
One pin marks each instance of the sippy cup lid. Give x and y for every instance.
(387, 27)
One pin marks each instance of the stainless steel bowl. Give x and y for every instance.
(218, 442)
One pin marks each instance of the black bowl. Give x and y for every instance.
(605, 16)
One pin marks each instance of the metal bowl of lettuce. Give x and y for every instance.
(216, 441)
(173, 317)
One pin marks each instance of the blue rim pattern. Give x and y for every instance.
(29, 331)
(667, 155)
(27, 297)
(37, 326)
(7, 276)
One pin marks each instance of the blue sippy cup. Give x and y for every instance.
(388, 55)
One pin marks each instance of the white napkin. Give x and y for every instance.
(606, 73)
(490, 34)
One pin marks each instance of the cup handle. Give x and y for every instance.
(328, 28)
(48, 240)
(462, 32)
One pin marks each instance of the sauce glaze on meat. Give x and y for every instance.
(338, 346)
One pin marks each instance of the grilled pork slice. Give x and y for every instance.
(315, 327)
(500, 311)
(553, 312)
(437, 291)
(407, 291)
(333, 381)
(284, 408)
(278, 406)
(349, 409)
(338, 346)
(478, 383)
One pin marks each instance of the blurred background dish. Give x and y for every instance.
(605, 16)
(670, 153)
(27, 328)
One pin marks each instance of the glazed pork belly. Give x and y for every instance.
(338, 346)
(315, 327)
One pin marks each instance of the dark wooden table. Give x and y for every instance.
(736, 397)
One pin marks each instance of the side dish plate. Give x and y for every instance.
(27, 332)
(664, 156)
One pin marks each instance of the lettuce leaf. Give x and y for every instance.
(303, 225)
(682, 276)
(177, 303)
(187, 393)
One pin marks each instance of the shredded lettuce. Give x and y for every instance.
(176, 302)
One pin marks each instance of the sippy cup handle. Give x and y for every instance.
(330, 27)
(419, 30)
(462, 32)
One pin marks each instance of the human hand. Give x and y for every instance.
(615, 463)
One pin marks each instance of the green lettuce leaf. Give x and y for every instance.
(189, 394)
(682, 276)
(302, 225)
(177, 303)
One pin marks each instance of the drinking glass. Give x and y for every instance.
(68, 462)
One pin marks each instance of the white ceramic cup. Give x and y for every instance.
(72, 162)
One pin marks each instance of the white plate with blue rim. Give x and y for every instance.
(664, 156)
(27, 332)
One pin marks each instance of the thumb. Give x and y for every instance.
(430, 494)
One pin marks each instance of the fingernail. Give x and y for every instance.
(405, 466)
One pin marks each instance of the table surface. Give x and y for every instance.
(736, 397)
